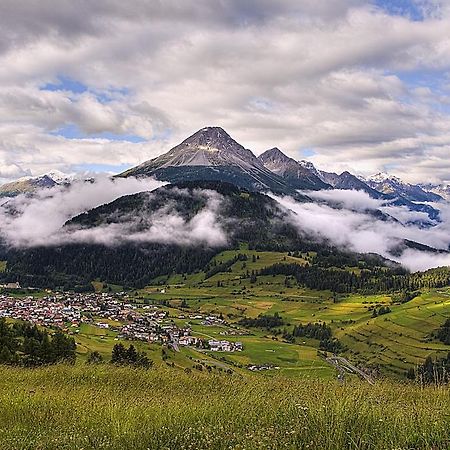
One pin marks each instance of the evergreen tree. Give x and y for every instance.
(94, 358)
(118, 355)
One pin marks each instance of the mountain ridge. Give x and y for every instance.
(291, 170)
(387, 184)
(212, 154)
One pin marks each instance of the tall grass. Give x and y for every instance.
(103, 407)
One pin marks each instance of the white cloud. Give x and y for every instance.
(327, 76)
(354, 200)
(345, 219)
(38, 220)
(162, 226)
(30, 149)
(357, 230)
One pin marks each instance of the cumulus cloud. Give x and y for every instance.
(38, 220)
(341, 78)
(354, 200)
(347, 223)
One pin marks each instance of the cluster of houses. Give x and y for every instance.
(212, 321)
(46, 312)
(111, 311)
(261, 367)
(63, 310)
(224, 346)
(154, 327)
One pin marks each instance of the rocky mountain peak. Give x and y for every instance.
(274, 154)
(210, 137)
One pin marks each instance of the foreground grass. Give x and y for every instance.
(86, 407)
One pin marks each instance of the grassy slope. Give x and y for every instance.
(402, 337)
(394, 341)
(86, 407)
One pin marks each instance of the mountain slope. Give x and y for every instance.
(29, 185)
(296, 174)
(26, 185)
(139, 242)
(244, 216)
(348, 181)
(392, 185)
(443, 190)
(211, 154)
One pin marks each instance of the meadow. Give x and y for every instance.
(198, 399)
(94, 407)
(392, 343)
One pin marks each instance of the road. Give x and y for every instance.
(174, 343)
(344, 365)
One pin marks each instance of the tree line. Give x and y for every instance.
(432, 371)
(24, 344)
(263, 321)
(367, 281)
(443, 334)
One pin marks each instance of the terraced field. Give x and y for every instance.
(393, 342)
(401, 338)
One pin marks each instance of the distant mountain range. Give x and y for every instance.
(386, 184)
(212, 154)
(28, 185)
(209, 160)
(439, 189)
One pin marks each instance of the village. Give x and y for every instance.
(114, 312)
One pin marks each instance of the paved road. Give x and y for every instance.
(344, 365)
(174, 343)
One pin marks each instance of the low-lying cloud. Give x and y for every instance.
(163, 226)
(38, 220)
(347, 220)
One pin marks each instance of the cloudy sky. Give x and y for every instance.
(104, 85)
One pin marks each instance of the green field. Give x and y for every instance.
(392, 342)
(199, 399)
(106, 407)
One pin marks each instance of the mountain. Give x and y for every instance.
(310, 167)
(62, 178)
(244, 216)
(348, 181)
(296, 174)
(147, 235)
(443, 190)
(29, 185)
(211, 154)
(26, 185)
(394, 186)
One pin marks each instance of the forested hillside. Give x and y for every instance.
(243, 217)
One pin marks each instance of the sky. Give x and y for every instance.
(348, 84)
